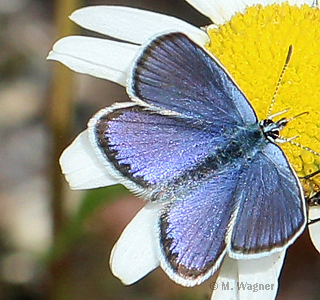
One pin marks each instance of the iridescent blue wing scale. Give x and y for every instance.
(271, 207)
(148, 148)
(177, 122)
(194, 226)
(175, 74)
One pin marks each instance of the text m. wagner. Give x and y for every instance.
(245, 286)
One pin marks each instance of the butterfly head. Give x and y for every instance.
(272, 129)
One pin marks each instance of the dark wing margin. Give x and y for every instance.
(193, 228)
(174, 73)
(272, 208)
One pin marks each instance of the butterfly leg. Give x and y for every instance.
(310, 175)
(314, 200)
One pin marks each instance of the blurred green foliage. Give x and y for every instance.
(74, 227)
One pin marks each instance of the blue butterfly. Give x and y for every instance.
(191, 141)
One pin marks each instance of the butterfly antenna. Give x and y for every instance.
(303, 147)
(290, 140)
(310, 175)
(280, 79)
(299, 115)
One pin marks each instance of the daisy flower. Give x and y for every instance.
(251, 40)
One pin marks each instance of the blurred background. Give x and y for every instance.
(55, 243)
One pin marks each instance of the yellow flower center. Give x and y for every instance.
(253, 47)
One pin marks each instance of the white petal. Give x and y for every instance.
(298, 2)
(97, 57)
(263, 273)
(81, 166)
(314, 229)
(218, 11)
(134, 254)
(268, 2)
(131, 24)
(238, 278)
(226, 285)
(221, 11)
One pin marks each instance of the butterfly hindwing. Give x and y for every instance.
(193, 227)
(271, 207)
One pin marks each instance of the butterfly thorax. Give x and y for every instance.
(244, 143)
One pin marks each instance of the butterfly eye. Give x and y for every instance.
(266, 122)
(273, 134)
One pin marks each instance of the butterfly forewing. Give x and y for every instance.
(151, 149)
(176, 74)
